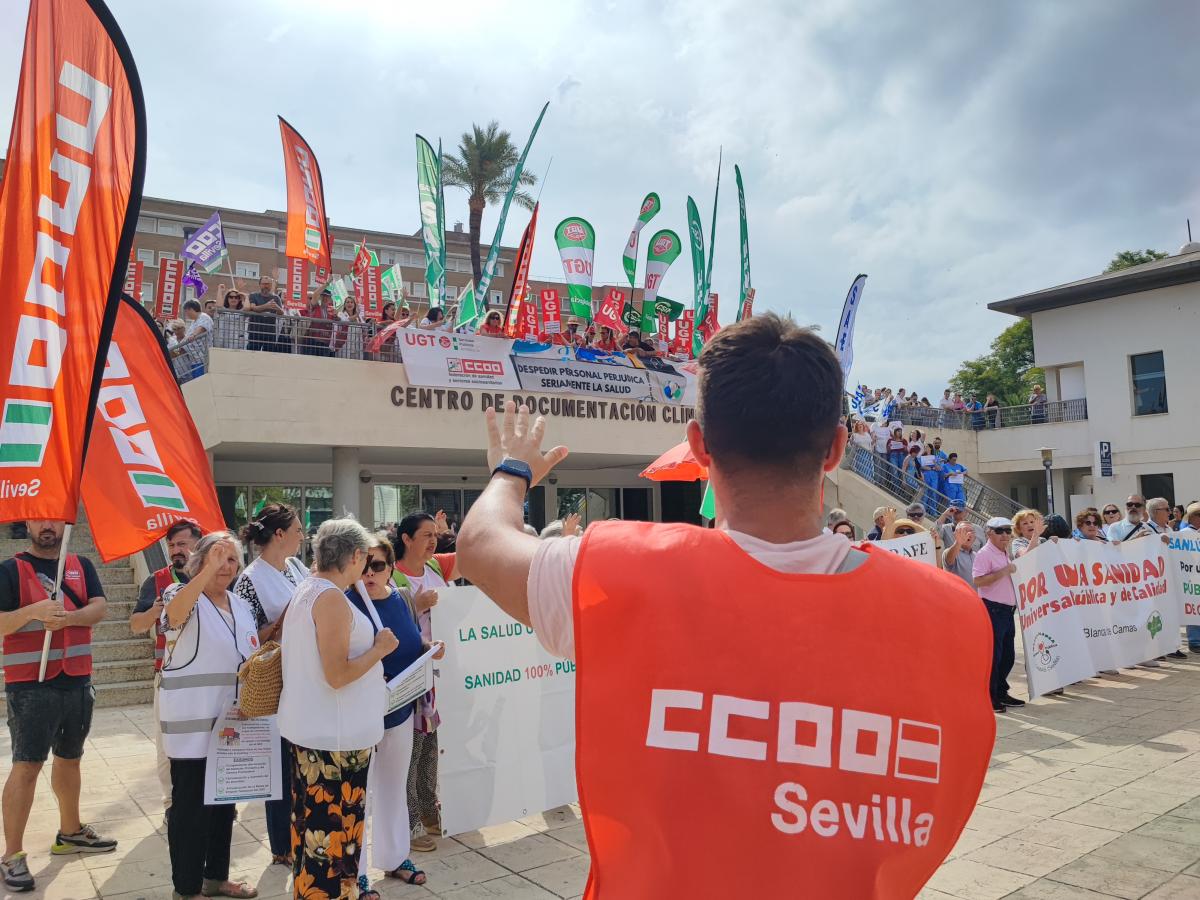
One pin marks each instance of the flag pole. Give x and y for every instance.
(57, 595)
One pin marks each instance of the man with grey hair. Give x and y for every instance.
(1133, 525)
(1159, 511)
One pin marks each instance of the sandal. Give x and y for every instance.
(238, 889)
(411, 873)
(282, 859)
(365, 891)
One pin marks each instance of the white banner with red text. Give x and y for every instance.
(1185, 557)
(447, 359)
(1088, 606)
(507, 736)
(919, 547)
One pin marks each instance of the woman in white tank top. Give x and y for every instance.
(331, 710)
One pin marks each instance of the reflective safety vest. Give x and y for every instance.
(830, 733)
(70, 648)
(163, 579)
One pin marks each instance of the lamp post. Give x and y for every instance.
(1047, 463)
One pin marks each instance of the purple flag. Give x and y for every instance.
(206, 247)
(192, 277)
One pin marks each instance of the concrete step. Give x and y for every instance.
(113, 629)
(121, 593)
(125, 693)
(127, 648)
(119, 671)
(115, 577)
(119, 610)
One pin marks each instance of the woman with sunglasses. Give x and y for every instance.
(387, 783)
(492, 326)
(1111, 514)
(234, 327)
(1088, 526)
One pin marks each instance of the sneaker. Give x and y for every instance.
(421, 841)
(1177, 654)
(85, 840)
(1009, 700)
(16, 873)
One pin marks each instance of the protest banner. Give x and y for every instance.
(297, 282)
(307, 234)
(1087, 606)
(528, 327)
(206, 246)
(843, 346)
(549, 377)
(513, 315)
(576, 241)
(683, 334)
(746, 296)
(678, 387)
(439, 359)
(650, 208)
(551, 311)
(370, 301)
(166, 299)
(507, 736)
(134, 272)
(608, 314)
(919, 547)
(664, 248)
(1185, 558)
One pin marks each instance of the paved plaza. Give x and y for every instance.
(1091, 795)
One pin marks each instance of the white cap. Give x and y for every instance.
(998, 522)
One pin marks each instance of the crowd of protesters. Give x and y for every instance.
(953, 409)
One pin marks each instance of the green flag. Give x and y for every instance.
(469, 309)
(745, 235)
(708, 503)
(700, 292)
(337, 287)
(663, 250)
(428, 180)
(489, 266)
(576, 241)
(392, 281)
(441, 226)
(702, 308)
(650, 207)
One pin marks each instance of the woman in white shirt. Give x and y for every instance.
(350, 346)
(331, 710)
(267, 586)
(210, 633)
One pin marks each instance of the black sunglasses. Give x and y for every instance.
(1003, 530)
(1094, 522)
(904, 532)
(1112, 512)
(1134, 505)
(375, 565)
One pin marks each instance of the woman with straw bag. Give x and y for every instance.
(210, 633)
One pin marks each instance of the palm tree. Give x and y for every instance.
(484, 169)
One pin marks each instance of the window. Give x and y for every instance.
(147, 225)
(418, 289)
(146, 257)
(264, 239)
(496, 298)
(1149, 374)
(592, 504)
(1158, 486)
(164, 254)
(342, 250)
(246, 269)
(451, 292)
(499, 273)
(147, 292)
(171, 228)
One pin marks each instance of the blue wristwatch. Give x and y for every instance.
(510, 466)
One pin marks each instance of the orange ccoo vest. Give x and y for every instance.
(70, 648)
(828, 734)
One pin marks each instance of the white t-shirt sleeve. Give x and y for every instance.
(550, 608)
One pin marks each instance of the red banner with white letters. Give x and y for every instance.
(134, 272)
(166, 299)
(146, 467)
(710, 326)
(307, 235)
(516, 316)
(68, 205)
(297, 282)
(371, 291)
(551, 311)
(683, 333)
(527, 328)
(608, 315)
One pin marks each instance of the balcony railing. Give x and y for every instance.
(925, 417)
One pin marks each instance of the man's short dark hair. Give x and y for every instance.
(193, 305)
(770, 395)
(184, 525)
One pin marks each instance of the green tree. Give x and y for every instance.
(484, 169)
(1129, 258)
(1006, 371)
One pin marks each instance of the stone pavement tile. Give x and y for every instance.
(529, 852)
(511, 887)
(1144, 757)
(1172, 828)
(1150, 852)
(1069, 788)
(1189, 810)
(574, 835)
(1066, 835)
(1000, 822)
(445, 847)
(970, 840)
(132, 876)
(1109, 817)
(459, 870)
(1045, 889)
(552, 819)
(1076, 752)
(1110, 876)
(566, 878)
(1026, 801)
(495, 834)
(1094, 774)
(1131, 798)
(1181, 887)
(1026, 857)
(1027, 741)
(64, 886)
(931, 894)
(970, 880)
(149, 848)
(164, 892)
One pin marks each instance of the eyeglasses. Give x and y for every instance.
(916, 517)
(1091, 523)
(905, 532)
(378, 566)
(1002, 530)
(1134, 505)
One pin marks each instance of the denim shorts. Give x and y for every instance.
(44, 718)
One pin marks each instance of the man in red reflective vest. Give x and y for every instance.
(722, 711)
(55, 714)
(182, 538)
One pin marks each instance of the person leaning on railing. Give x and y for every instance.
(1037, 405)
(317, 329)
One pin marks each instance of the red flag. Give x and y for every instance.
(710, 325)
(747, 306)
(146, 468)
(609, 313)
(551, 311)
(371, 290)
(133, 279)
(307, 235)
(683, 333)
(362, 259)
(166, 301)
(514, 316)
(68, 206)
(297, 271)
(528, 329)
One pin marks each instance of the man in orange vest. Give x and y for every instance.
(54, 714)
(725, 708)
(182, 538)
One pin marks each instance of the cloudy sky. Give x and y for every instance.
(957, 153)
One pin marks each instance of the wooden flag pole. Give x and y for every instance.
(58, 578)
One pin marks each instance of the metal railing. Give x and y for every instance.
(982, 419)
(982, 503)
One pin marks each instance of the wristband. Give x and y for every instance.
(510, 466)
